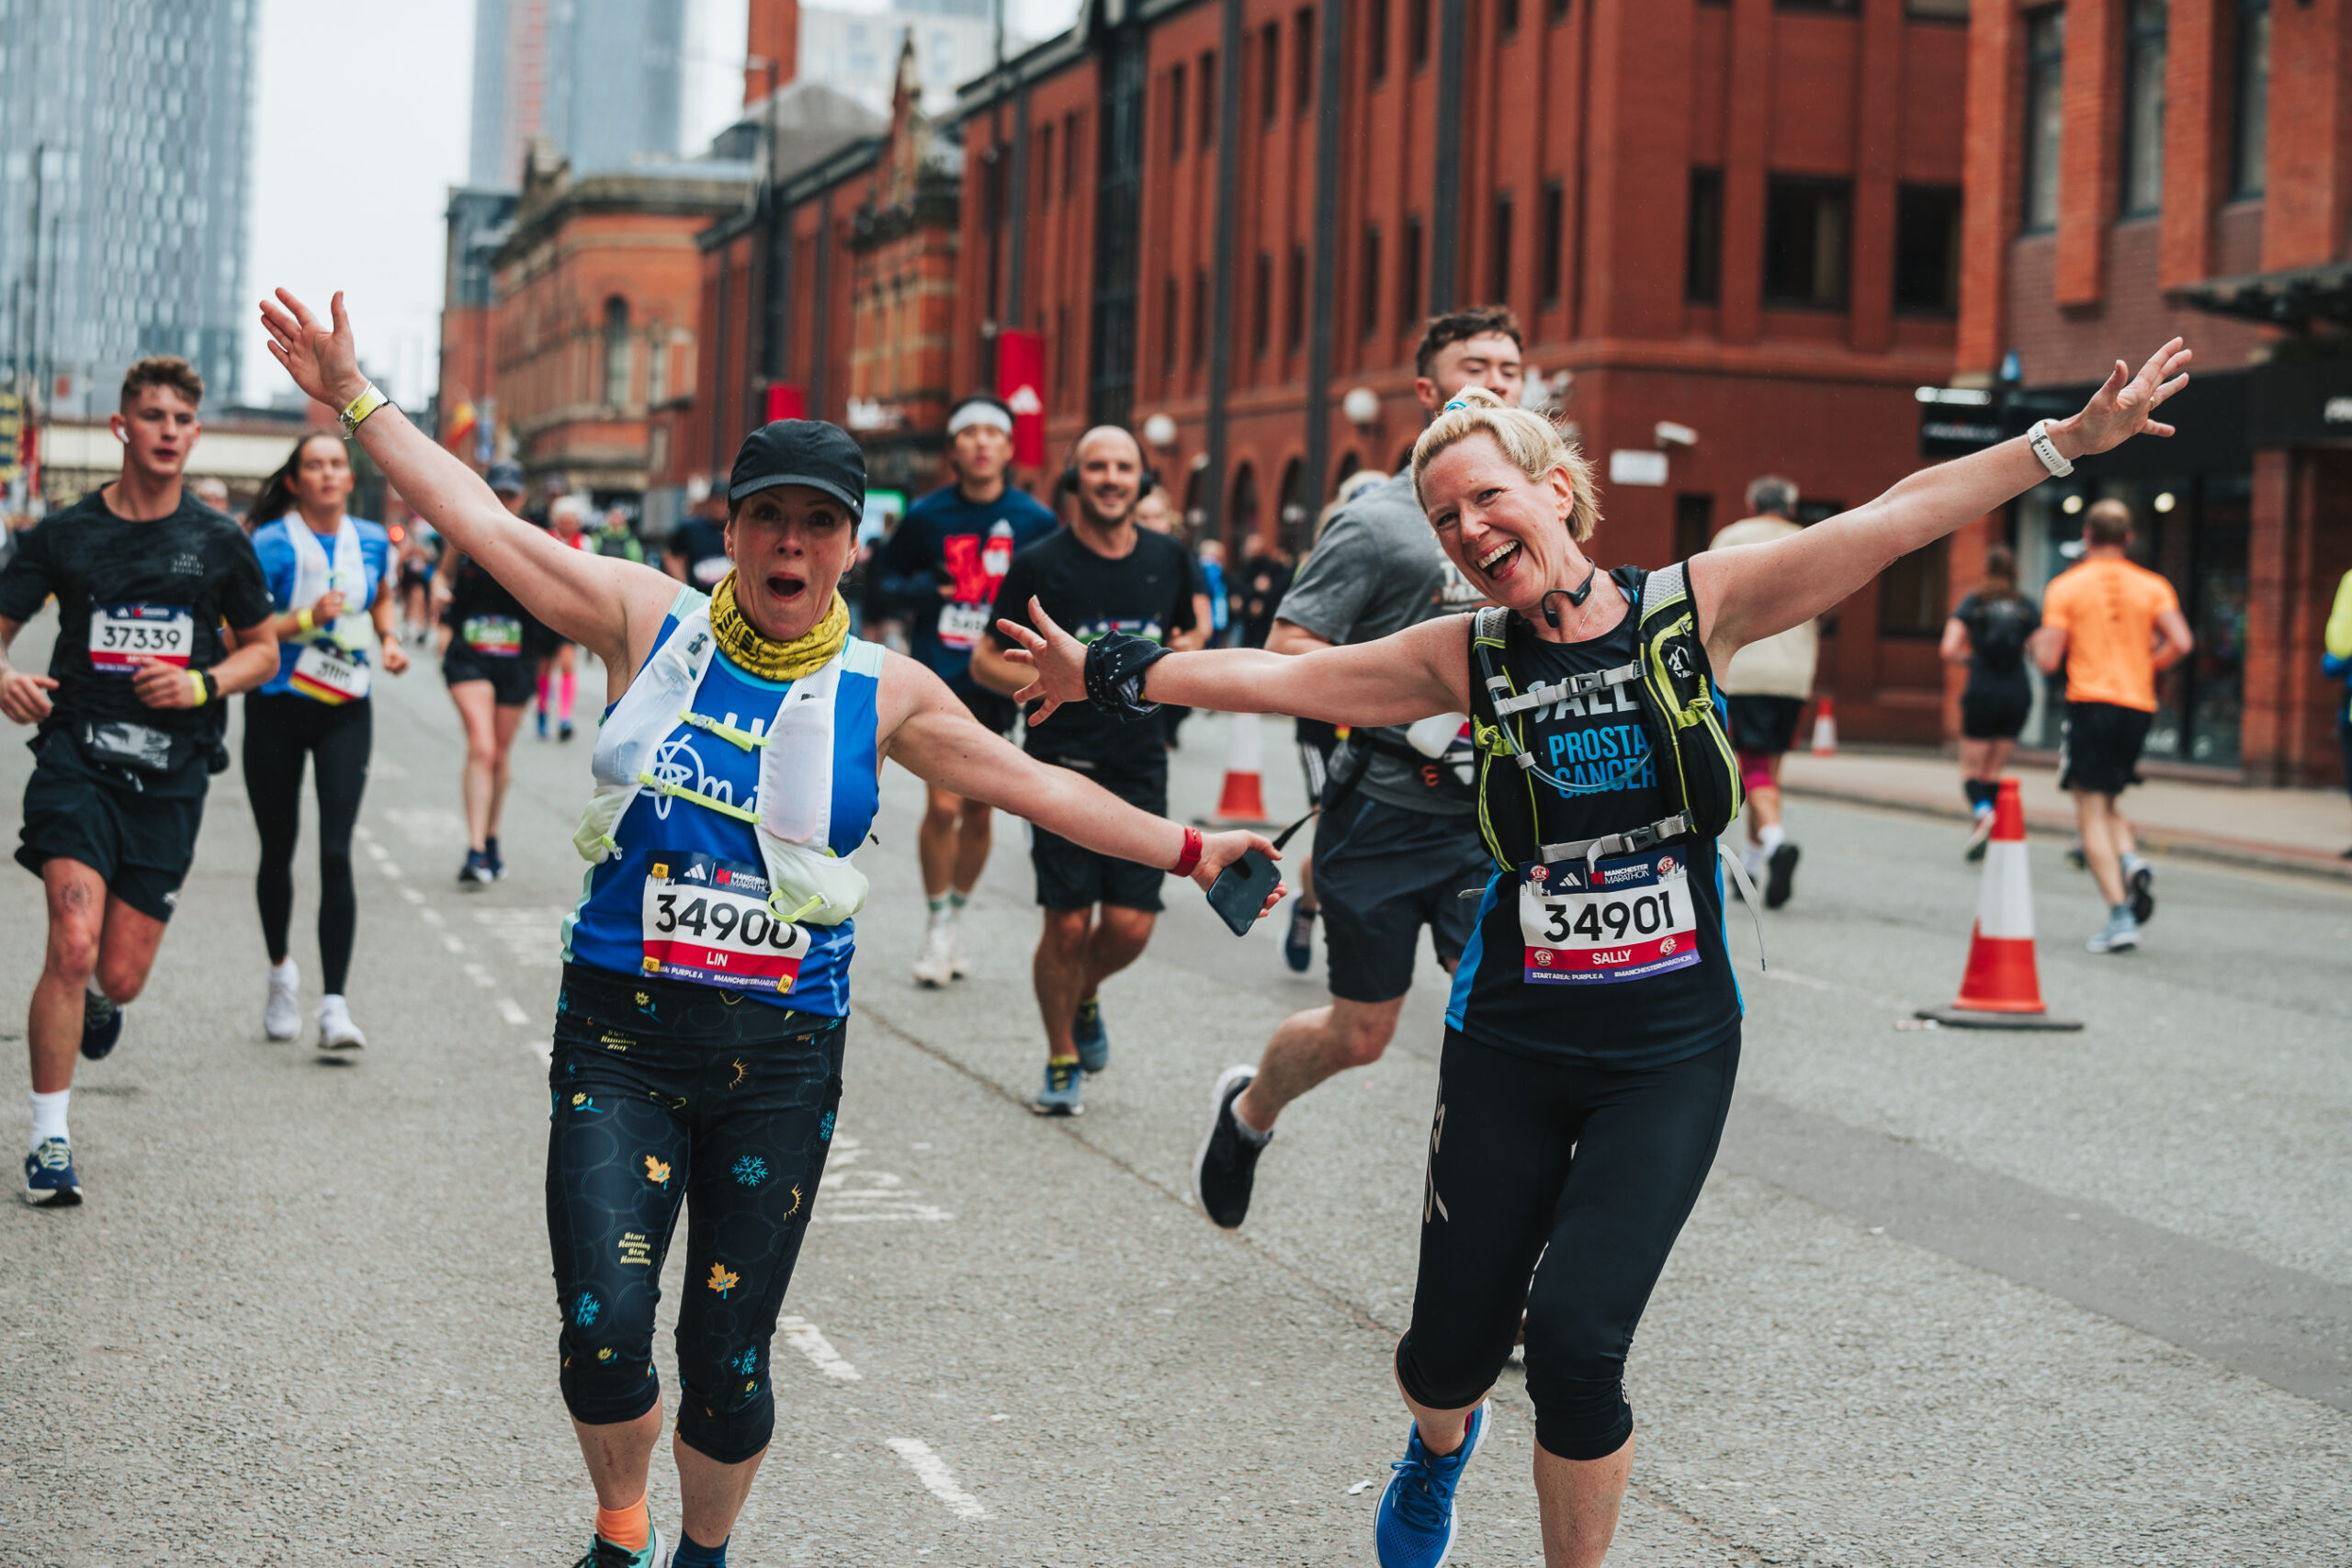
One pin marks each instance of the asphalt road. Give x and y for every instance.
(1948, 1297)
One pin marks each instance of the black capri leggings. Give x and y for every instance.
(1589, 1170)
(666, 1093)
(281, 729)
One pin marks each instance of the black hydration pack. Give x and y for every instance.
(1680, 716)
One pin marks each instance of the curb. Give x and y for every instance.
(2222, 851)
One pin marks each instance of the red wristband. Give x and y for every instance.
(1192, 855)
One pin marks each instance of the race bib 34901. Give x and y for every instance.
(706, 920)
(1621, 919)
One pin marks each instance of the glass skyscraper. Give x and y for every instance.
(125, 129)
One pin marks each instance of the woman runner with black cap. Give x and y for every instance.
(698, 1034)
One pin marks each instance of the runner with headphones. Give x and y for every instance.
(1100, 575)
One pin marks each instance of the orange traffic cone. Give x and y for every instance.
(2002, 986)
(1243, 798)
(1824, 728)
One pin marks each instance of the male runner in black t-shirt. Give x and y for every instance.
(130, 714)
(1102, 574)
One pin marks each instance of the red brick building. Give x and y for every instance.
(2138, 169)
(1739, 218)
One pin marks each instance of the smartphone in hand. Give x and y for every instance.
(1240, 890)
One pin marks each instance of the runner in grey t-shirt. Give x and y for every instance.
(1398, 837)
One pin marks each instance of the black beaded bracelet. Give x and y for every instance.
(1115, 672)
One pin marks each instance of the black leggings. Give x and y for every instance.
(1589, 1170)
(281, 728)
(662, 1093)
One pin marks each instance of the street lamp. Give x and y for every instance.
(1361, 405)
(1159, 430)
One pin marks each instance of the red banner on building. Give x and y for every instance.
(1021, 382)
(785, 402)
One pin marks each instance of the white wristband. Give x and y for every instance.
(2037, 437)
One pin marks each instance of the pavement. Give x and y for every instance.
(2280, 829)
(1947, 1298)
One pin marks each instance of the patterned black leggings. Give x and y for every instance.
(663, 1093)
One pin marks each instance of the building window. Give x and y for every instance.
(1506, 17)
(1938, 10)
(1408, 277)
(1061, 353)
(1375, 42)
(1555, 11)
(1841, 8)
(1806, 226)
(1169, 326)
(1208, 99)
(1498, 290)
(1694, 522)
(1927, 248)
(1417, 30)
(2250, 144)
(1551, 245)
(657, 365)
(1269, 77)
(1262, 303)
(1294, 288)
(617, 353)
(2144, 106)
(1045, 165)
(1302, 60)
(1176, 89)
(1368, 281)
(1702, 255)
(2045, 52)
(1200, 347)
(1911, 601)
(1069, 156)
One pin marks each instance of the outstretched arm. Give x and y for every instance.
(1753, 591)
(586, 598)
(1410, 675)
(930, 732)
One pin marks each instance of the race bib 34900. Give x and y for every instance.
(706, 920)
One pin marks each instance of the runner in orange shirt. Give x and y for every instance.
(2113, 626)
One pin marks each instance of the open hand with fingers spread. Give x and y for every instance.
(2124, 406)
(1058, 659)
(322, 359)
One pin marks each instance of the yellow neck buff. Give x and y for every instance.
(770, 660)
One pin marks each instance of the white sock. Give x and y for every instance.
(1770, 837)
(94, 986)
(284, 969)
(49, 1117)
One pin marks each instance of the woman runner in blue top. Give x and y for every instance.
(1594, 1028)
(697, 1051)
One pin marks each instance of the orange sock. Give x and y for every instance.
(625, 1527)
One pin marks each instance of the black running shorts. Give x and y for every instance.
(2100, 750)
(1071, 877)
(1994, 715)
(1381, 874)
(1765, 724)
(512, 679)
(136, 829)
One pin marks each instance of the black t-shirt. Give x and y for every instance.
(474, 592)
(1997, 632)
(702, 544)
(1147, 593)
(1262, 582)
(127, 591)
(1631, 972)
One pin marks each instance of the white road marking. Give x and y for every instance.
(804, 1336)
(412, 895)
(378, 851)
(511, 1010)
(430, 917)
(864, 1197)
(528, 932)
(452, 944)
(479, 976)
(387, 867)
(936, 1478)
(359, 831)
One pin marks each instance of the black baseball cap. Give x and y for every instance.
(506, 478)
(800, 452)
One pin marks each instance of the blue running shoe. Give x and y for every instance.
(1093, 1045)
(101, 1025)
(1059, 1096)
(476, 872)
(1298, 945)
(603, 1553)
(492, 859)
(1414, 1528)
(50, 1181)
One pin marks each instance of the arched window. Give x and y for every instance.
(1241, 518)
(1349, 464)
(616, 351)
(1290, 512)
(657, 365)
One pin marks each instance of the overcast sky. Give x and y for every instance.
(359, 130)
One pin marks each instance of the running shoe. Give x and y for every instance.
(1059, 1096)
(336, 1032)
(476, 872)
(1086, 1031)
(1414, 1528)
(50, 1181)
(935, 965)
(564, 730)
(603, 1553)
(281, 1015)
(1227, 1166)
(543, 724)
(101, 1025)
(960, 962)
(1780, 867)
(1298, 946)
(2120, 934)
(497, 862)
(2139, 884)
(1979, 835)
(2075, 856)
